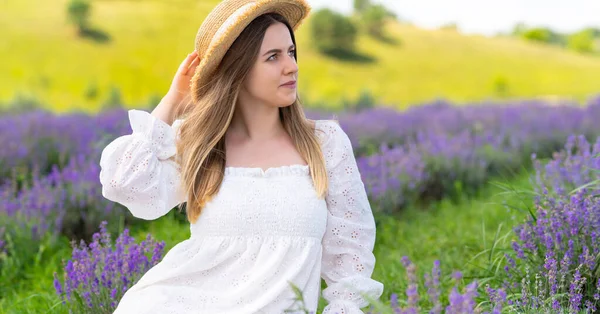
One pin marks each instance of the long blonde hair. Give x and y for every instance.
(201, 144)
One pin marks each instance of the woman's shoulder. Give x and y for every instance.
(328, 130)
(323, 123)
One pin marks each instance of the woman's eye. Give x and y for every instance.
(275, 55)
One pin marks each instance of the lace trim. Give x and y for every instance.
(257, 172)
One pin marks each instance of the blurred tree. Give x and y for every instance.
(582, 41)
(153, 101)
(585, 40)
(374, 18)
(501, 86)
(361, 5)
(538, 34)
(332, 31)
(114, 99)
(544, 35)
(450, 26)
(519, 29)
(78, 12)
(91, 91)
(366, 100)
(21, 103)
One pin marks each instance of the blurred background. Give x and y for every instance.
(474, 125)
(87, 55)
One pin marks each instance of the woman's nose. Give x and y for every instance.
(290, 65)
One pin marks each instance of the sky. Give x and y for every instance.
(487, 17)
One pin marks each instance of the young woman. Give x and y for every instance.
(273, 198)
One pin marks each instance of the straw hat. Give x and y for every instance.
(225, 23)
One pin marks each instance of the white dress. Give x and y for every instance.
(262, 231)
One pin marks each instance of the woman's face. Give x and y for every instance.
(274, 67)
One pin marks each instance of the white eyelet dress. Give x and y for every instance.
(261, 232)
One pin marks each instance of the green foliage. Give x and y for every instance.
(91, 92)
(374, 18)
(78, 12)
(153, 101)
(365, 100)
(519, 29)
(538, 34)
(21, 103)
(450, 26)
(582, 41)
(332, 31)
(114, 99)
(586, 40)
(23, 251)
(361, 5)
(501, 86)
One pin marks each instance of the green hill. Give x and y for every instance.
(42, 55)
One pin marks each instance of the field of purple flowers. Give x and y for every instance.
(51, 195)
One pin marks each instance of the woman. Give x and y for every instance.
(273, 199)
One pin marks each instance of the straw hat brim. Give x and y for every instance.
(225, 23)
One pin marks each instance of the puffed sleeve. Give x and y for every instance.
(139, 171)
(348, 259)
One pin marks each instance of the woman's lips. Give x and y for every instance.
(290, 85)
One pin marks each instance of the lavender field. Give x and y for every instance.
(432, 173)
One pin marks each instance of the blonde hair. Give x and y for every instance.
(201, 144)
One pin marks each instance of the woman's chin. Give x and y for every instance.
(288, 100)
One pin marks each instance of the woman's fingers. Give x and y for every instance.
(192, 68)
(183, 67)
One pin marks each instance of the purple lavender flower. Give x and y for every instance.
(426, 151)
(87, 273)
(432, 282)
(560, 243)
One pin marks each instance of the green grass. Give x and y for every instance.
(36, 293)
(467, 235)
(452, 232)
(43, 57)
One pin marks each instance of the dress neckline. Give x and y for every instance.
(286, 170)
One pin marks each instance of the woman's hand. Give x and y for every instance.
(180, 87)
(179, 92)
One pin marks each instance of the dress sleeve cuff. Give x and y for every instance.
(154, 130)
